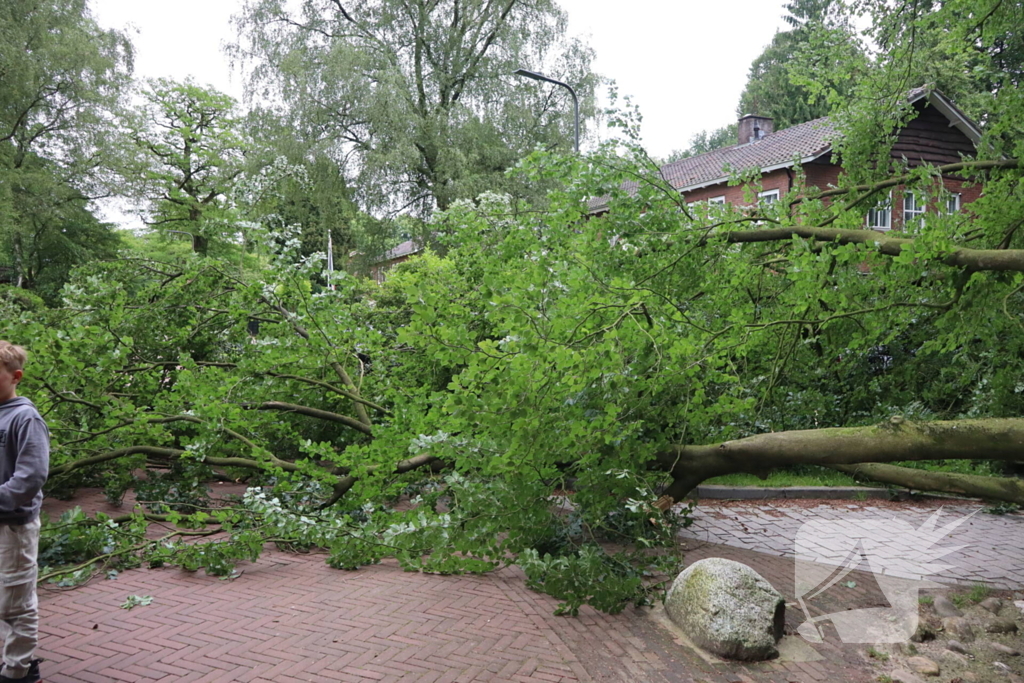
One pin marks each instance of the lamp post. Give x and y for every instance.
(575, 100)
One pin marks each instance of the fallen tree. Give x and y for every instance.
(437, 418)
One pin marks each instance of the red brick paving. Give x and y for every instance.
(290, 618)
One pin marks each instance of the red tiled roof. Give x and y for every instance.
(801, 142)
(811, 139)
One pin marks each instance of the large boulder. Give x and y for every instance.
(728, 609)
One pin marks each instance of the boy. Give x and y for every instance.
(24, 463)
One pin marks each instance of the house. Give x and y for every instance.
(939, 134)
(391, 258)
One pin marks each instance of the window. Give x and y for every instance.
(913, 209)
(717, 200)
(879, 218)
(953, 203)
(768, 197)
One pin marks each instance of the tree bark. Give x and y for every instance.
(1005, 489)
(898, 439)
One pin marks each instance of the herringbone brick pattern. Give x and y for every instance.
(290, 618)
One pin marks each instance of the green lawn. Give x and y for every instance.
(822, 476)
(803, 476)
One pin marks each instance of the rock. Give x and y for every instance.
(956, 657)
(1004, 649)
(904, 676)
(1001, 626)
(993, 605)
(924, 666)
(969, 677)
(945, 608)
(925, 631)
(958, 626)
(999, 666)
(728, 609)
(957, 646)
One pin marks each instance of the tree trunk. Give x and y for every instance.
(1005, 489)
(898, 439)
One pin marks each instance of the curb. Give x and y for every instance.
(803, 492)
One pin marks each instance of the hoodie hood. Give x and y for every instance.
(15, 402)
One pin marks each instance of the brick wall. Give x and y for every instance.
(823, 176)
(776, 180)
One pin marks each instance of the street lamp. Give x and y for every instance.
(575, 100)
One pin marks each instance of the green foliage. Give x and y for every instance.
(705, 141)
(69, 547)
(19, 300)
(774, 88)
(1002, 509)
(63, 79)
(418, 100)
(188, 148)
(137, 600)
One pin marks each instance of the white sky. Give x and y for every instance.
(684, 62)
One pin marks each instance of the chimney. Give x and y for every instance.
(752, 128)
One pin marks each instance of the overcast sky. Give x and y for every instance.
(684, 62)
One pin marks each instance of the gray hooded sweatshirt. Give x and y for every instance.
(24, 461)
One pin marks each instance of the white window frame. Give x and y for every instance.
(914, 207)
(881, 209)
(717, 200)
(953, 203)
(768, 197)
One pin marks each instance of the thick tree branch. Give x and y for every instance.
(347, 381)
(993, 439)
(330, 387)
(904, 179)
(317, 413)
(346, 483)
(989, 488)
(973, 259)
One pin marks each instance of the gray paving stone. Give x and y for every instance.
(992, 552)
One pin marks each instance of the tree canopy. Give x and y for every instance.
(417, 100)
(189, 153)
(61, 83)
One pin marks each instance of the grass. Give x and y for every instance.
(926, 600)
(802, 476)
(875, 654)
(809, 475)
(977, 593)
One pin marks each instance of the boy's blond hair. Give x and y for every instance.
(12, 356)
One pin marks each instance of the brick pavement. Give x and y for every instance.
(289, 617)
(992, 552)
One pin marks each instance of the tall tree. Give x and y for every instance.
(417, 98)
(771, 89)
(191, 147)
(705, 141)
(61, 82)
